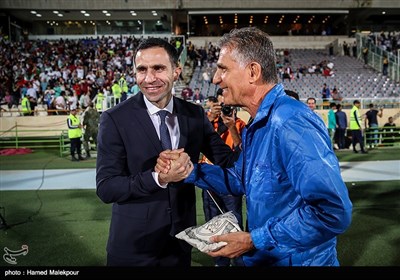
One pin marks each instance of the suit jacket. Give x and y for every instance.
(143, 214)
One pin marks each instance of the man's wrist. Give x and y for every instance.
(159, 181)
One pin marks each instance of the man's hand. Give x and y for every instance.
(229, 121)
(176, 166)
(238, 244)
(164, 160)
(215, 109)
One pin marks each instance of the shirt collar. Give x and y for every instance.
(154, 109)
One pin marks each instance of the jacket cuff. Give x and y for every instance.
(262, 240)
(191, 179)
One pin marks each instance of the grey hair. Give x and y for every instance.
(250, 44)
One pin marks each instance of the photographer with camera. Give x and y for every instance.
(229, 127)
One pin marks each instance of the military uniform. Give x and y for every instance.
(91, 124)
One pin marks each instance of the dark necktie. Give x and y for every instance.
(166, 144)
(164, 132)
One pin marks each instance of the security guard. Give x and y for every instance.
(75, 134)
(26, 106)
(117, 92)
(355, 127)
(124, 87)
(99, 100)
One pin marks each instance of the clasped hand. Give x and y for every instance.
(173, 166)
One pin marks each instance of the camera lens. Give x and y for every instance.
(226, 110)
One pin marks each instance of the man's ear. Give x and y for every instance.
(254, 72)
(177, 73)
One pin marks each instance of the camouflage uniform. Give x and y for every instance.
(91, 124)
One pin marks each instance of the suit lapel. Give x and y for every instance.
(147, 127)
(145, 123)
(183, 123)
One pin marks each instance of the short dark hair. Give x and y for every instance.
(212, 99)
(157, 42)
(219, 92)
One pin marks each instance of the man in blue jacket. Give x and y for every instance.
(297, 203)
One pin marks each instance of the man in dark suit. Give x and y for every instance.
(147, 210)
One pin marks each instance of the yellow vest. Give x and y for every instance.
(99, 101)
(26, 105)
(116, 90)
(74, 132)
(353, 121)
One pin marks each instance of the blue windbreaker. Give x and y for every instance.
(297, 202)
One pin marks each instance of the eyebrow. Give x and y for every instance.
(220, 65)
(151, 66)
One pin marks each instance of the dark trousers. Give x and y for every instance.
(75, 146)
(385, 70)
(124, 96)
(357, 137)
(340, 138)
(226, 203)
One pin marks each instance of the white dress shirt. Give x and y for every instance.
(172, 124)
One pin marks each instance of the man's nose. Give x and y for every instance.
(150, 77)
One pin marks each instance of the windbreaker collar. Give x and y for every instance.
(268, 102)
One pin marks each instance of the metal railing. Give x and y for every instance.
(16, 137)
(376, 56)
(384, 136)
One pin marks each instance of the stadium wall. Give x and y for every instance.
(59, 122)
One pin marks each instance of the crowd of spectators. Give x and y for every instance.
(62, 73)
(388, 41)
(77, 70)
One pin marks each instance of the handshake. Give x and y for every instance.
(173, 166)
